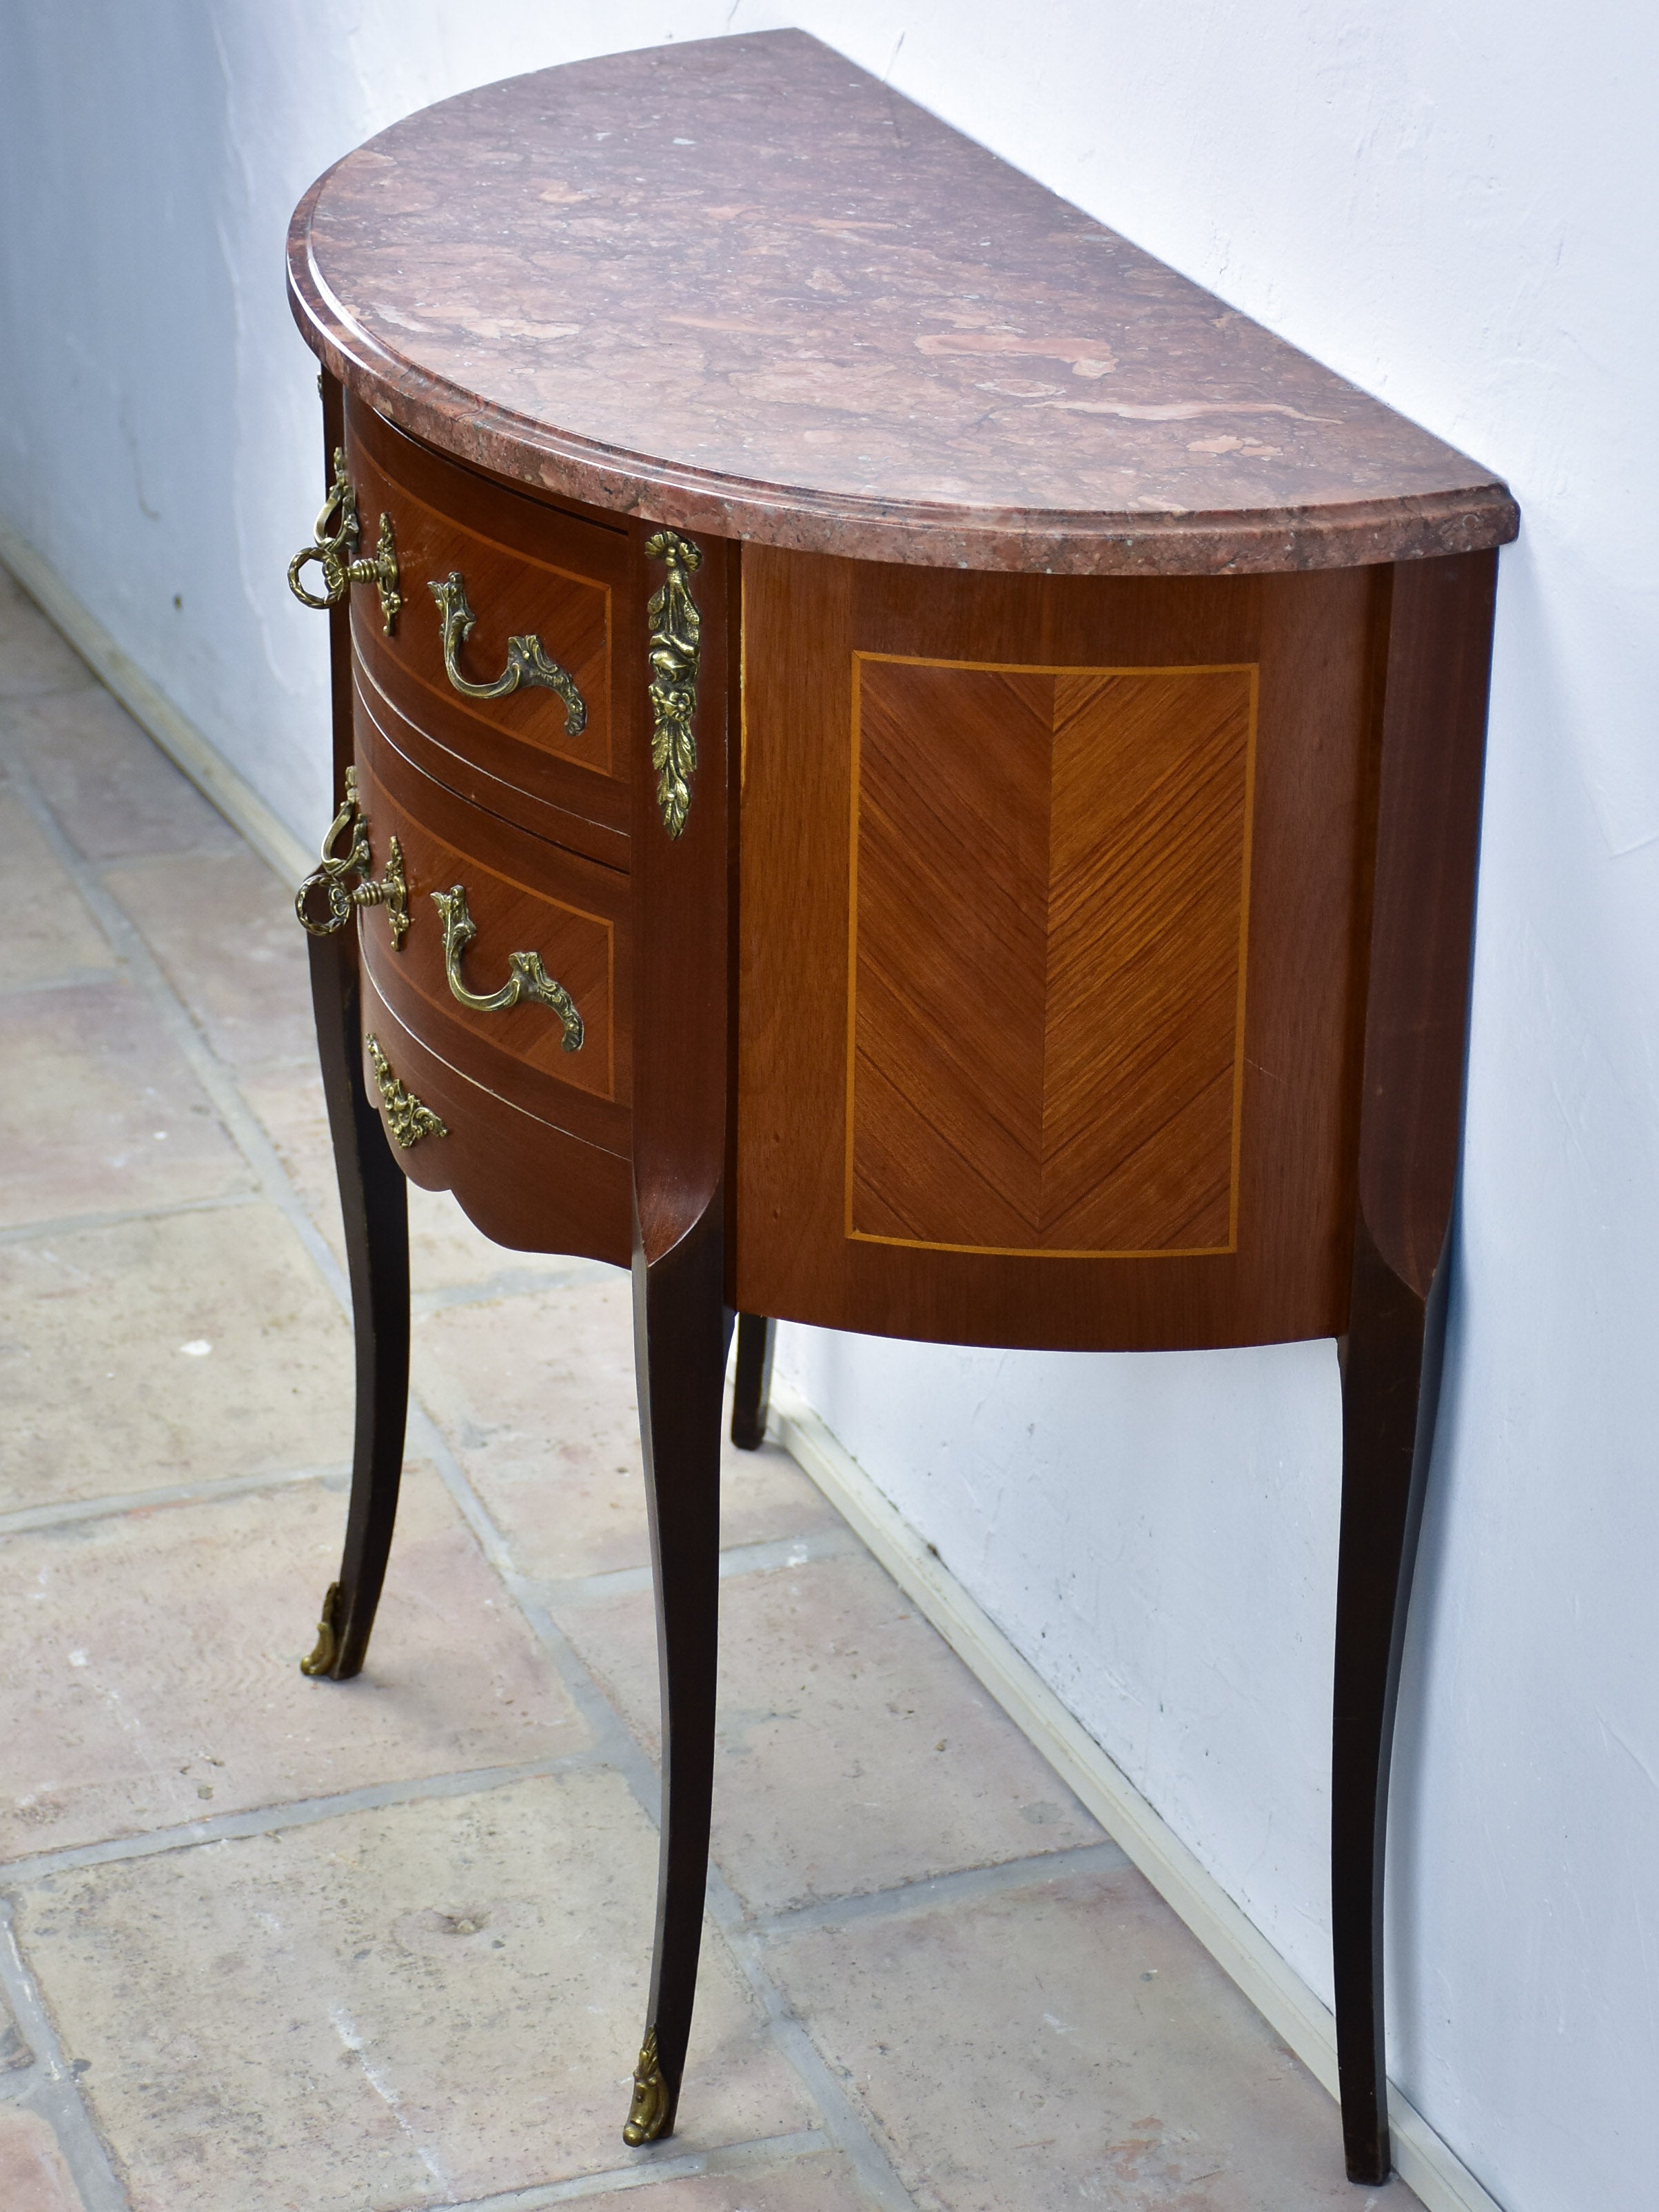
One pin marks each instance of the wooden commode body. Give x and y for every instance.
(901, 768)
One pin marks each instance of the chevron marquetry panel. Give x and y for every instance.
(1048, 964)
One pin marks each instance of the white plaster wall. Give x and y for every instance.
(159, 440)
(1455, 205)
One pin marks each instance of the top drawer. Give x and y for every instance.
(527, 570)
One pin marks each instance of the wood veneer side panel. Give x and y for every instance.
(1048, 875)
(1428, 828)
(1144, 1040)
(1309, 866)
(793, 1042)
(1310, 637)
(948, 871)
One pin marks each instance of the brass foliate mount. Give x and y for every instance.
(406, 1118)
(647, 2114)
(526, 662)
(327, 1648)
(335, 538)
(343, 880)
(526, 978)
(676, 632)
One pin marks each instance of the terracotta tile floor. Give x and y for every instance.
(269, 1943)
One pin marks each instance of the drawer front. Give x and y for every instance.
(528, 571)
(524, 1182)
(560, 1049)
(465, 774)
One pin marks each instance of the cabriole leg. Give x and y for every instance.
(751, 1386)
(682, 1331)
(1391, 1361)
(375, 1202)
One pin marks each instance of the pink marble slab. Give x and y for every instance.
(742, 287)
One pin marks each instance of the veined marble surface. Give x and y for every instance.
(741, 286)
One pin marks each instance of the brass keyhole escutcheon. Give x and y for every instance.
(335, 538)
(343, 876)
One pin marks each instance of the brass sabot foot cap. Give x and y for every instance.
(327, 1648)
(647, 2115)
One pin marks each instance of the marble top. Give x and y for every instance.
(742, 287)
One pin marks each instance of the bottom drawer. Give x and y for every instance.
(524, 895)
(523, 1182)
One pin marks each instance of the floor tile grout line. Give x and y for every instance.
(67, 979)
(615, 1740)
(241, 1122)
(612, 1738)
(919, 1894)
(94, 682)
(494, 1290)
(232, 846)
(961, 1885)
(655, 2165)
(55, 2095)
(737, 1560)
(851, 2131)
(71, 1224)
(848, 2129)
(510, 1283)
(295, 1813)
(32, 1520)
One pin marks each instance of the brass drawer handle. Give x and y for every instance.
(335, 553)
(526, 977)
(673, 650)
(334, 876)
(526, 663)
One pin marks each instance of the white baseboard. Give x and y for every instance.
(156, 713)
(1422, 2160)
